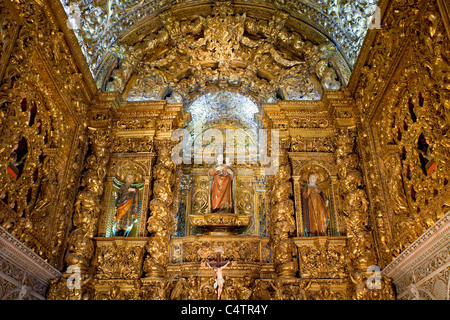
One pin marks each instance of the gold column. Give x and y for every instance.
(161, 221)
(85, 219)
(298, 207)
(147, 192)
(355, 207)
(283, 223)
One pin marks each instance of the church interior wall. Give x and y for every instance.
(374, 132)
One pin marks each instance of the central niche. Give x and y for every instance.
(214, 116)
(223, 108)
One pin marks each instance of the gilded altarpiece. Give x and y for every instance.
(133, 153)
(311, 141)
(248, 195)
(379, 149)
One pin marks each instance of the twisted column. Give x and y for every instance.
(355, 208)
(80, 248)
(354, 202)
(283, 222)
(161, 220)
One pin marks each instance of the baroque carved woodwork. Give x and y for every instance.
(282, 218)
(119, 259)
(249, 54)
(89, 100)
(410, 133)
(161, 223)
(270, 28)
(43, 104)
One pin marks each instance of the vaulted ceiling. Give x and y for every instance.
(177, 50)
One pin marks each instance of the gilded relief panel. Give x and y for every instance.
(411, 135)
(42, 104)
(245, 201)
(201, 192)
(238, 249)
(119, 259)
(322, 257)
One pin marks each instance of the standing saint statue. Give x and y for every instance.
(221, 196)
(127, 204)
(315, 208)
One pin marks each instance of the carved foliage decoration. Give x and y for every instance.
(200, 251)
(100, 23)
(409, 121)
(129, 145)
(302, 144)
(202, 53)
(413, 133)
(282, 217)
(88, 202)
(39, 130)
(161, 223)
(30, 166)
(245, 200)
(322, 260)
(354, 202)
(8, 28)
(119, 261)
(200, 195)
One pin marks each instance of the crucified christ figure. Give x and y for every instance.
(219, 278)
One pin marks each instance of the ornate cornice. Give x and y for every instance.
(24, 258)
(423, 248)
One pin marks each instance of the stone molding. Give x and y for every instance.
(421, 262)
(26, 263)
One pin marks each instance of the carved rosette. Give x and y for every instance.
(162, 219)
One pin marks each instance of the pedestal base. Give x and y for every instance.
(221, 223)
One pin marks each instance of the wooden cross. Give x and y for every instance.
(219, 263)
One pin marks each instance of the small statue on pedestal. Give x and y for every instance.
(127, 206)
(315, 208)
(221, 193)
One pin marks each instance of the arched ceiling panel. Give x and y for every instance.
(176, 50)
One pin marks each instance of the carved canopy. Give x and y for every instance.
(176, 50)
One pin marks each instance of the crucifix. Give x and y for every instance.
(218, 266)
